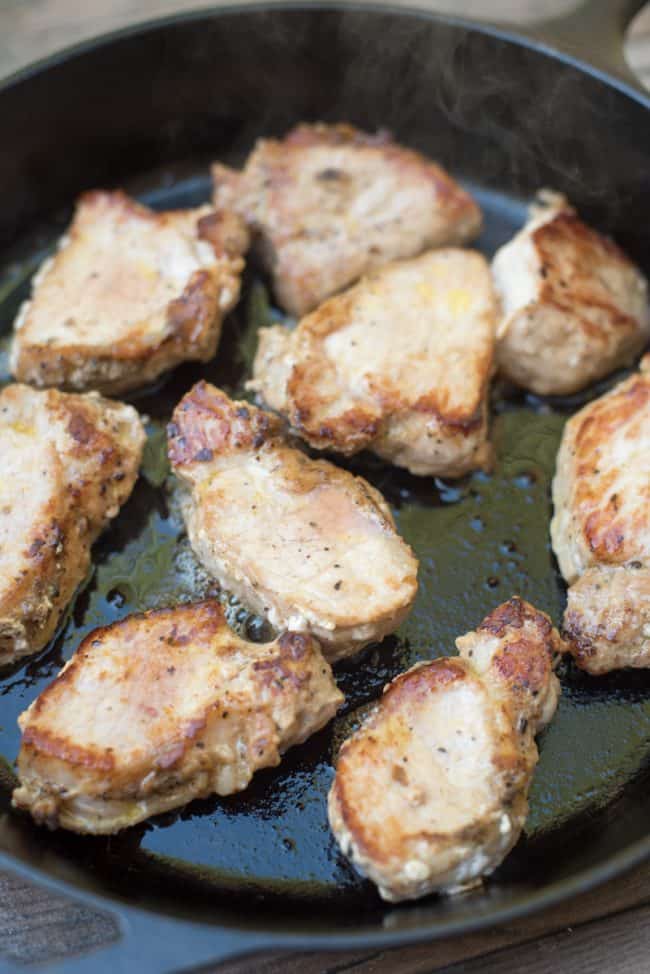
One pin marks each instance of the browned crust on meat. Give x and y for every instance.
(463, 421)
(607, 535)
(356, 428)
(247, 704)
(514, 614)
(295, 645)
(406, 690)
(419, 681)
(60, 553)
(287, 668)
(210, 434)
(53, 746)
(505, 674)
(575, 317)
(581, 640)
(349, 432)
(520, 668)
(455, 198)
(194, 318)
(523, 630)
(226, 232)
(117, 463)
(262, 193)
(412, 689)
(204, 619)
(34, 605)
(607, 619)
(207, 422)
(192, 315)
(552, 239)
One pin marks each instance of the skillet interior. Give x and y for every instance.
(507, 119)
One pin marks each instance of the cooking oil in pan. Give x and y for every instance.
(479, 541)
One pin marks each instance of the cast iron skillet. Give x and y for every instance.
(147, 109)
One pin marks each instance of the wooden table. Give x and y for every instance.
(601, 931)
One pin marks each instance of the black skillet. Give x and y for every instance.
(148, 108)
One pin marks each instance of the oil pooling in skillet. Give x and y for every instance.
(479, 540)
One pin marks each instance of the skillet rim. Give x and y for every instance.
(529, 36)
(250, 940)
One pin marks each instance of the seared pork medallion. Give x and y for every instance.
(161, 708)
(430, 794)
(328, 203)
(399, 364)
(601, 527)
(129, 294)
(305, 544)
(68, 464)
(574, 306)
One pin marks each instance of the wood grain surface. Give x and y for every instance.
(606, 930)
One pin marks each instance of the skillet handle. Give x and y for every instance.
(151, 943)
(135, 939)
(593, 34)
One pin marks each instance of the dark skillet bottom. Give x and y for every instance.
(479, 541)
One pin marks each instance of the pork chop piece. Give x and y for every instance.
(574, 306)
(161, 708)
(310, 547)
(69, 462)
(328, 203)
(601, 527)
(399, 364)
(129, 294)
(607, 619)
(430, 794)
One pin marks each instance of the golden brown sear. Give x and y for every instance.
(305, 544)
(431, 793)
(328, 203)
(161, 708)
(601, 527)
(399, 364)
(69, 462)
(129, 294)
(574, 306)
